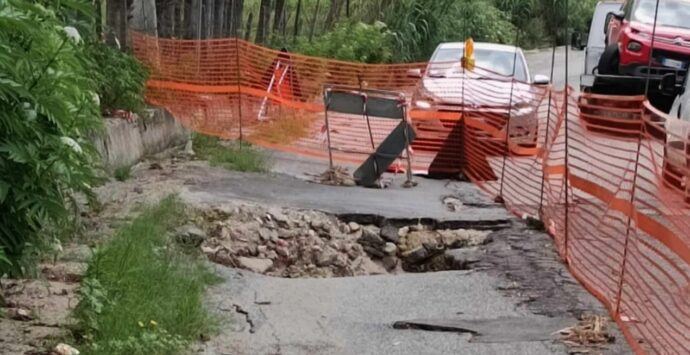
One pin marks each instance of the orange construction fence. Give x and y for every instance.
(608, 176)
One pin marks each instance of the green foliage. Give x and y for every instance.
(151, 340)
(418, 26)
(352, 41)
(142, 294)
(483, 22)
(122, 173)
(229, 155)
(48, 108)
(121, 78)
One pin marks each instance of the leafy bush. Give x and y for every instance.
(121, 78)
(352, 41)
(48, 106)
(142, 294)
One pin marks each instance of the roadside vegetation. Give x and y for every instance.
(57, 77)
(379, 31)
(143, 294)
(230, 155)
(122, 173)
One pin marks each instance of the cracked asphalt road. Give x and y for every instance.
(519, 275)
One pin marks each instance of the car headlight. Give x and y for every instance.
(423, 99)
(423, 104)
(523, 113)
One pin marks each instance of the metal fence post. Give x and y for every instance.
(631, 212)
(567, 142)
(546, 138)
(239, 88)
(328, 128)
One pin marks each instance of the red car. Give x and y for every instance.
(629, 39)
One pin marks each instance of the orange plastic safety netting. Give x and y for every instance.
(608, 176)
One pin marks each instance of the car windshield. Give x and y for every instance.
(498, 61)
(672, 13)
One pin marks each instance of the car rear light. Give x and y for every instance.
(634, 46)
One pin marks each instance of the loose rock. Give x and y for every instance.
(353, 226)
(390, 249)
(402, 232)
(462, 259)
(390, 233)
(64, 349)
(255, 264)
(416, 255)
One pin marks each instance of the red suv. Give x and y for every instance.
(629, 39)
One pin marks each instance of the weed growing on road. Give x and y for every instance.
(229, 155)
(122, 173)
(143, 294)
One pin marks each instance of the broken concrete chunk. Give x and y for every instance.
(390, 233)
(461, 259)
(353, 226)
(402, 232)
(279, 217)
(370, 236)
(372, 268)
(390, 249)
(390, 263)
(416, 255)
(257, 265)
(64, 349)
(327, 257)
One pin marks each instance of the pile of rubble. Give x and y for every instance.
(296, 243)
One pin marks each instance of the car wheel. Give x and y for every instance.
(609, 60)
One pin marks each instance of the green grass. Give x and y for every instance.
(122, 173)
(142, 293)
(229, 155)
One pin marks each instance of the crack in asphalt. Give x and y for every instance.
(247, 317)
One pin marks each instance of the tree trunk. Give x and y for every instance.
(248, 30)
(279, 15)
(264, 19)
(313, 22)
(186, 9)
(166, 20)
(194, 31)
(297, 23)
(207, 26)
(333, 13)
(238, 13)
(219, 20)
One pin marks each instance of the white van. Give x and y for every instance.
(596, 42)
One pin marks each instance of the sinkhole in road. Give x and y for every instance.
(294, 243)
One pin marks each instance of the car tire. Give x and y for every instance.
(609, 61)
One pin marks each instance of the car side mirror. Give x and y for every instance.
(414, 73)
(618, 15)
(540, 79)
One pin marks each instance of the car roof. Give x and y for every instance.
(479, 45)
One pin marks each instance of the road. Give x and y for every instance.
(518, 277)
(539, 62)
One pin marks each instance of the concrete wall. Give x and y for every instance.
(125, 143)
